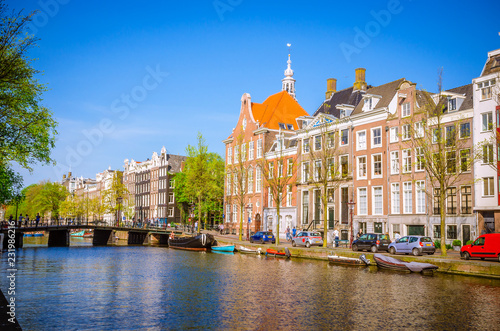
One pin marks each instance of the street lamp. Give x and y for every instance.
(351, 208)
(249, 210)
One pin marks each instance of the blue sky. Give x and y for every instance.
(127, 78)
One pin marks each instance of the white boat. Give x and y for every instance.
(250, 251)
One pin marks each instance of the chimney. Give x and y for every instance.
(360, 83)
(69, 174)
(331, 87)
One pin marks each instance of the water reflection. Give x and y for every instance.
(130, 288)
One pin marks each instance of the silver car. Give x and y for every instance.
(415, 245)
(308, 239)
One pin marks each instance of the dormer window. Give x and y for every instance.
(342, 113)
(289, 126)
(369, 103)
(282, 126)
(485, 88)
(452, 104)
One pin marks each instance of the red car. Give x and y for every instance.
(486, 246)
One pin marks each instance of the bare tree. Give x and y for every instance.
(279, 173)
(327, 172)
(435, 138)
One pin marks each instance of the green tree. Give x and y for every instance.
(97, 208)
(27, 129)
(182, 197)
(198, 175)
(115, 196)
(11, 185)
(46, 197)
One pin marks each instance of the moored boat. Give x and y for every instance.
(224, 248)
(250, 251)
(78, 234)
(201, 242)
(284, 253)
(388, 262)
(361, 261)
(33, 234)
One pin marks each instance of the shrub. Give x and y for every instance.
(437, 243)
(469, 242)
(457, 242)
(449, 247)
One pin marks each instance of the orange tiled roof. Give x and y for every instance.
(278, 108)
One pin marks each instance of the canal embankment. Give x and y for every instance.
(452, 264)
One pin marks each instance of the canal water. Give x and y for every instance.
(155, 288)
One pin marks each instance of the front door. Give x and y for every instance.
(465, 233)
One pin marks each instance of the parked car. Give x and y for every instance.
(485, 246)
(308, 239)
(263, 237)
(413, 244)
(372, 241)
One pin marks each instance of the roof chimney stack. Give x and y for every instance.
(360, 83)
(331, 87)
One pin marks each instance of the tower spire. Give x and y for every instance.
(288, 83)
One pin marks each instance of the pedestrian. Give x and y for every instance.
(287, 232)
(26, 221)
(222, 228)
(359, 234)
(37, 220)
(336, 236)
(397, 236)
(294, 232)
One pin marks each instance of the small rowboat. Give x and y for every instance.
(286, 253)
(225, 248)
(362, 261)
(388, 262)
(250, 251)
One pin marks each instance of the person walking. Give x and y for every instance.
(336, 236)
(26, 221)
(294, 232)
(287, 232)
(37, 220)
(360, 233)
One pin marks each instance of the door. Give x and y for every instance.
(344, 197)
(465, 233)
(402, 245)
(477, 248)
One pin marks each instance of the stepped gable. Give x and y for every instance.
(386, 91)
(278, 108)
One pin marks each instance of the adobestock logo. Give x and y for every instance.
(372, 29)
(48, 9)
(222, 6)
(120, 106)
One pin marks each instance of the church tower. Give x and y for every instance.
(288, 83)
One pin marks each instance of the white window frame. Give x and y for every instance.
(361, 143)
(347, 135)
(305, 172)
(394, 134)
(316, 138)
(378, 200)
(394, 162)
(405, 109)
(405, 132)
(236, 153)
(306, 146)
(376, 137)
(488, 187)
(289, 167)
(258, 180)
(395, 198)
(228, 184)
(407, 198)
(406, 158)
(419, 162)
(373, 165)
(250, 180)
(420, 196)
(259, 148)
(419, 130)
(317, 170)
(362, 201)
(250, 149)
(485, 127)
(289, 192)
(360, 167)
(229, 155)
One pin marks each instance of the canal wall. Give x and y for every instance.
(448, 265)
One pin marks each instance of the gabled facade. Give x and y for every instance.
(262, 135)
(486, 89)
